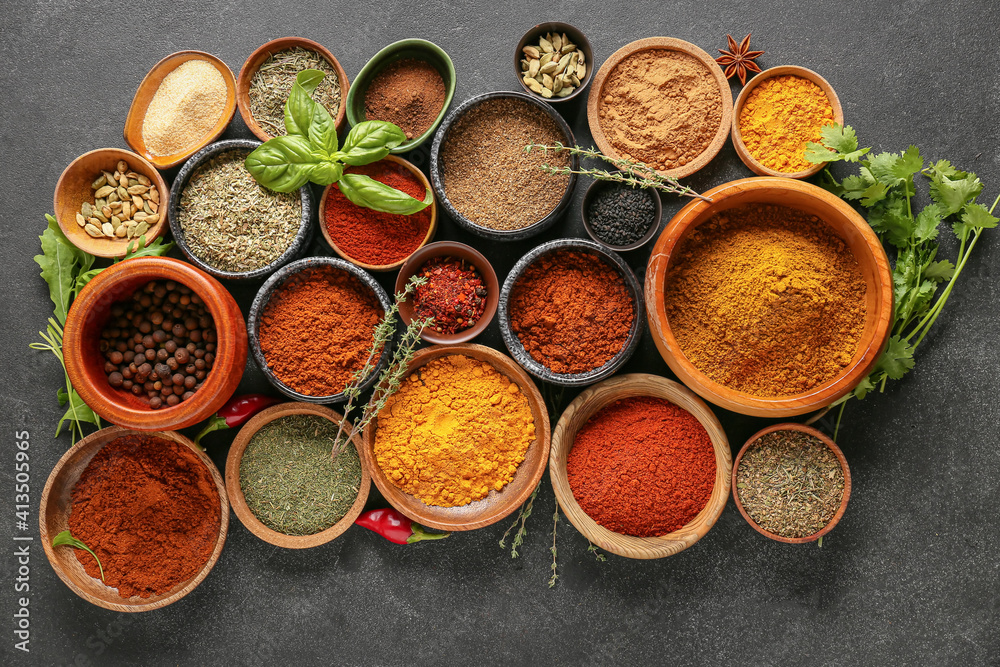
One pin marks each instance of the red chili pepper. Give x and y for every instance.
(395, 527)
(235, 413)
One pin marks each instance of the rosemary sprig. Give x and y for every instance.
(636, 174)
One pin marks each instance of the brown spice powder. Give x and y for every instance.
(408, 93)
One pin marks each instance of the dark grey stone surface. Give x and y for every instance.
(910, 576)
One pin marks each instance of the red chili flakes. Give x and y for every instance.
(454, 294)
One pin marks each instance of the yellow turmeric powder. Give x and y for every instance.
(780, 116)
(456, 429)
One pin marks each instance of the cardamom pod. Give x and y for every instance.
(93, 231)
(546, 93)
(152, 205)
(152, 219)
(122, 192)
(126, 210)
(574, 79)
(547, 81)
(100, 216)
(106, 210)
(142, 180)
(112, 181)
(137, 201)
(100, 203)
(113, 197)
(137, 189)
(548, 68)
(557, 84)
(132, 182)
(525, 65)
(563, 62)
(533, 68)
(108, 229)
(86, 209)
(116, 222)
(581, 71)
(99, 182)
(145, 207)
(139, 216)
(103, 191)
(115, 206)
(141, 229)
(532, 52)
(580, 56)
(121, 231)
(556, 42)
(122, 166)
(545, 45)
(154, 194)
(566, 91)
(80, 220)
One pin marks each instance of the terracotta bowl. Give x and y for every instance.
(826, 441)
(85, 362)
(575, 35)
(431, 230)
(53, 518)
(236, 497)
(844, 221)
(144, 95)
(458, 251)
(592, 192)
(596, 98)
(788, 70)
(73, 189)
(497, 504)
(264, 52)
(585, 406)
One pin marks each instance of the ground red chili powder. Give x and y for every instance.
(374, 237)
(571, 311)
(317, 328)
(409, 93)
(149, 508)
(642, 466)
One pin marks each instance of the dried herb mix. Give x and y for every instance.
(272, 83)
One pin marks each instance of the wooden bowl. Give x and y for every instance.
(596, 98)
(497, 504)
(264, 52)
(431, 229)
(788, 70)
(575, 35)
(144, 95)
(459, 251)
(585, 406)
(844, 221)
(826, 441)
(73, 189)
(238, 500)
(85, 362)
(592, 192)
(53, 518)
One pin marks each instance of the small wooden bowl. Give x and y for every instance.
(264, 52)
(826, 441)
(592, 192)
(73, 188)
(85, 362)
(596, 99)
(575, 35)
(585, 406)
(144, 95)
(844, 221)
(238, 500)
(497, 504)
(53, 518)
(431, 229)
(788, 70)
(458, 251)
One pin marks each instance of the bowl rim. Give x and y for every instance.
(744, 153)
(826, 440)
(385, 57)
(235, 489)
(512, 341)
(596, 186)
(112, 433)
(437, 179)
(298, 245)
(584, 45)
(604, 394)
(431, 228)
(272, 285)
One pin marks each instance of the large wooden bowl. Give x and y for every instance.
(85, 362)
(585, 406)
(73, 188)
(53, 518)
(844, 221)
(238, 500)
(147, 89)
(497, 504)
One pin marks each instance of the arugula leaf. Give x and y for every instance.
(60, 261)
(371, 140)
(138, 248)
(283, 164)
(299, 108)
(365, 191)
(66, 538)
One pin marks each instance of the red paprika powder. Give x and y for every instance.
(149, 508)
(642, 466)
(373, 237)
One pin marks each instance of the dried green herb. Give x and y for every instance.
(272, 83)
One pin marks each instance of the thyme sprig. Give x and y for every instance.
(555, 524)
(522, 517)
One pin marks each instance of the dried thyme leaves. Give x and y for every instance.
(272, 83)
(790, 483)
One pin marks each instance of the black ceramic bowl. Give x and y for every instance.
(598, 186)
(438, 175)
(537, 369)
(575, 36)
(296, 249)
(264, 295)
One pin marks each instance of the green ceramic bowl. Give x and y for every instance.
(407, 48)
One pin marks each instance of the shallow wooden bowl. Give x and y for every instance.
(264, 52)
(844, 221)
(238, 500)
(596, 98)
(787, 70)
(144, 95)
(431, 229)
(85, 362)
(73, 188)
(585, 406)
(575, 35)
(497, 504)
(459, 251)
(53, 518)
(843, 466)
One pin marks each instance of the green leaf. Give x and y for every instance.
(77, 412)
(975, 216)
(323, 130)
(138, 248)
(942, 168)
(371, 140)
(66, 538)
(819, 154)
(952, 194)
(830, 184)
(940, 270)
(283, 164)
(892, 220)
(60, 262)
(326, 173)
(897, 359)
(866, 385)
(883, 167)
(300, 107)
(908, 164)
(367, 192)
(927, 223)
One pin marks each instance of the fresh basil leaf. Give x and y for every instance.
(283, 164)
(323, 130)
(327, 172)
(369, 193)
(299, 109)
(371, 140)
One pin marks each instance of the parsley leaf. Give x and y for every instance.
(897, 360)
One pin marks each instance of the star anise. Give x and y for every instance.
(738, 59)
